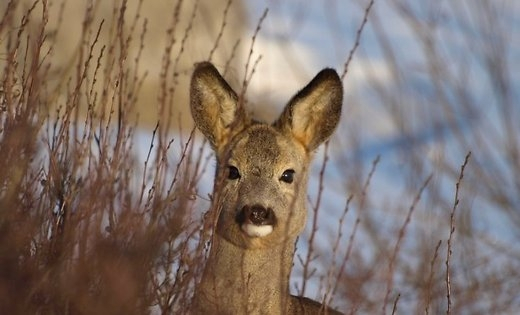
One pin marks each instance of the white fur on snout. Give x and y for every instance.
(253, 230)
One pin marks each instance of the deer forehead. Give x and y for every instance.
(262, 147)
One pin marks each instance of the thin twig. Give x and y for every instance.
(147, 160)
(394, 309)
(430, 278)
(452, 231)
(329, 294)
(402, 230)
(247, 77)
(352, 235)
(306, 273)
(221, 31)
(358, 39)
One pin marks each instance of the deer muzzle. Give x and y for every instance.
(256, 220)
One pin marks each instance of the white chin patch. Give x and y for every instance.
(257, 230)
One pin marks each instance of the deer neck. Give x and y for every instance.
(255, 281)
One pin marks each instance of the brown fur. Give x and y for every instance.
(245, 274)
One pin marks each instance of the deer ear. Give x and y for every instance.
(214, 105)
(313, 113)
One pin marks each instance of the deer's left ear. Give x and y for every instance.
(312, 115)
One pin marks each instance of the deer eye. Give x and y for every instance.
(233, 173)
(287, 176)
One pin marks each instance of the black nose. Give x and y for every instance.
(257, 215)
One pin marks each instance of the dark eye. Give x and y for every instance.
(233, 173)
(287, 176)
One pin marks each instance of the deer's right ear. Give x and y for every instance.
(214, 105)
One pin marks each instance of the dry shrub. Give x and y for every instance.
(87, 227)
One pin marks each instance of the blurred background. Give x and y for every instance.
(100, 165)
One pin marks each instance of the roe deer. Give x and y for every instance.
(259, 193)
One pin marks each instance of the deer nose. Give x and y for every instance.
(258, 215)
